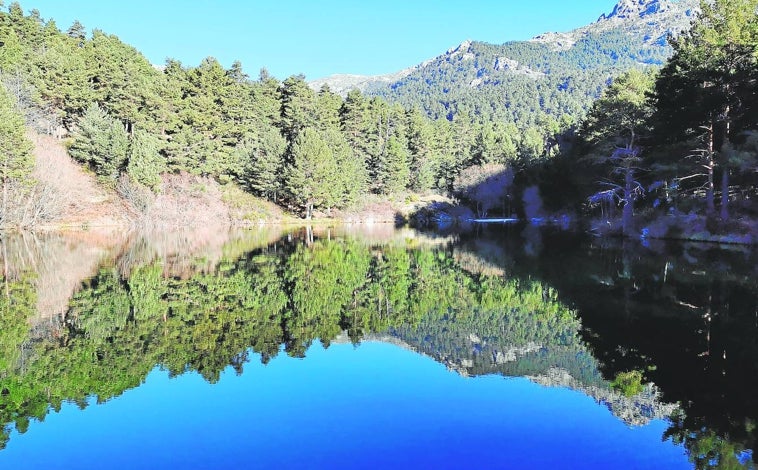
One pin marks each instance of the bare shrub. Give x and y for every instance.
(140, 197)
(29, 206)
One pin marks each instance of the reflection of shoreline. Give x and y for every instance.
(58, 263)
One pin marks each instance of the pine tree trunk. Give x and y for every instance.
(4, 209)
(725, 165)
(709, 191)
(5, 271)
(627, 217)
(724, 194)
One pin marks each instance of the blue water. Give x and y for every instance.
(374, 406)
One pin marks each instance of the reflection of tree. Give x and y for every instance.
(17, 304)
(707, 449)
(123, 323)
(683, 315)
(323, 279)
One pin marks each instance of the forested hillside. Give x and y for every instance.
(129, 122)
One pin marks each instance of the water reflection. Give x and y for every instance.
(554, 308)
(684, 315)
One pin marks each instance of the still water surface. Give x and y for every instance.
(503, 348)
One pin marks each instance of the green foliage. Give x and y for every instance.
(101, 142)
(515, 104)
(121, 77)
(393, 171)
(311, 169)
(628, 383)
(210, 121)
(262, 161)
(16, 160)
(521, 81)
(18, 303)
(145, 160)
(324, 172)
(298, 107)
(707, 89)
(623, 111)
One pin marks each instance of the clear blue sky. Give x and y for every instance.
(316, 37)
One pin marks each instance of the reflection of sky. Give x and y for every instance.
(377, 406)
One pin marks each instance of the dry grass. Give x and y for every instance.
(78, 200)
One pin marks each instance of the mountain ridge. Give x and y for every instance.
(480, 78)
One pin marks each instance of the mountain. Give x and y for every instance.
(343, 83)
(553, 74)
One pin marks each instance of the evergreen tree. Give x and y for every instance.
(145, 160)
(328, 107)
(532, 145)
(266, 97)
(351, 178)
(77, 31)
(615, 126)
(425, 163)
(355, 125)
(101, 142)
(708, 87)
(394, 172)
(262, 162)
(16, 160)
(298, 107)
(122, 77)
(311, 171)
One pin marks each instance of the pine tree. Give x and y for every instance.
(311, 170)
(16, 160)
(101, 142)
(354, 123)
(394, 174)
(708, 87)
(351, 179)
(146, 164)
(424, 164)
(615, 126)
(298, 107)
(77, 31)
(262, 162)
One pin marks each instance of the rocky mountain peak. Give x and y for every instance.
(635, 9)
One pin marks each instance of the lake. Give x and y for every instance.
(374, 347)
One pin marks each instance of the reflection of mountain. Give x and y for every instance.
(515, 342)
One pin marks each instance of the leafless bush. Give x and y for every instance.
(140, 197)
(29, 206)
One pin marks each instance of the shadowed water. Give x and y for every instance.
(371, 348)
